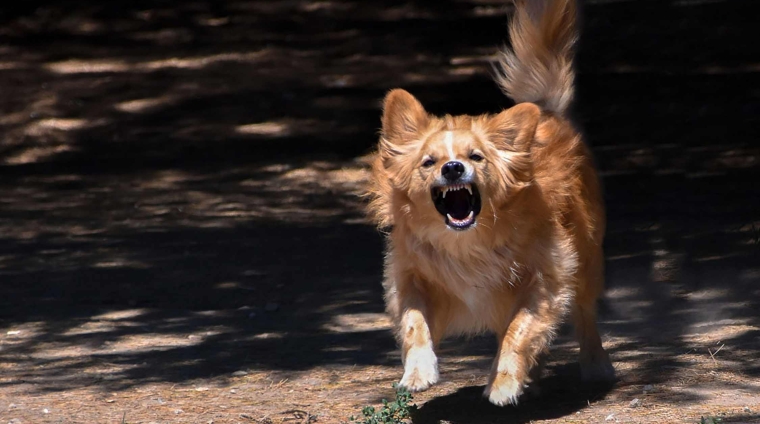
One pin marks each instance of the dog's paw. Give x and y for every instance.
(598, 371)
(420, 369)
(504, 390)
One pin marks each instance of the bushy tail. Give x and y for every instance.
(539, 66)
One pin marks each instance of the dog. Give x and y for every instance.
(496, 221)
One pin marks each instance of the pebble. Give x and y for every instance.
(747, 410)
(239, 373)
(648, 388)
(609, 417)
(634, 403)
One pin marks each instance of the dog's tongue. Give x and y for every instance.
(457, 203)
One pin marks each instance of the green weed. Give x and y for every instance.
(396, 412)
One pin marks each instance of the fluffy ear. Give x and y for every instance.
(403, 117)
(514, 128)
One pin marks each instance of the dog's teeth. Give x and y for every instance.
(470, 217)
(455, 187)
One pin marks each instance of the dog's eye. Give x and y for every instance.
(476, 157)
(428, 163)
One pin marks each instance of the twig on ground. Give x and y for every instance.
(712, 354)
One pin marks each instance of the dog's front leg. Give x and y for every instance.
(520, 345)
(418, 335)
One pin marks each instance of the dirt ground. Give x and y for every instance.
(182, 240)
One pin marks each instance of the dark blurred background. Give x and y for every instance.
(180, 157)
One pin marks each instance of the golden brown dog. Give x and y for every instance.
(497, 220)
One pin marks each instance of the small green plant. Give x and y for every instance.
(397, 412)
(710, 420)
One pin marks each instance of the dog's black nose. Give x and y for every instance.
(452, 170)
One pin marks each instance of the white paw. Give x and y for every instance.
(505, 390)
(420, 369)
(600, 370)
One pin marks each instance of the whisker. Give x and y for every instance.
(493, 209)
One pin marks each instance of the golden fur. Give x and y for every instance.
(535, 249)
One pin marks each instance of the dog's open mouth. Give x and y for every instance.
(458, 203)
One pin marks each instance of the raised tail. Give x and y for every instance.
(538, 68)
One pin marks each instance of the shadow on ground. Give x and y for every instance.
(179, 185)
(467, 405)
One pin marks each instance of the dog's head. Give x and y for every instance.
(446, 172)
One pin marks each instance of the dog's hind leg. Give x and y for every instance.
(595, 362)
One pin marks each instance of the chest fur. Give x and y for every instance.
(472, 277)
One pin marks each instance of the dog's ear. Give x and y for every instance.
(514, 128)
(403, 118)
